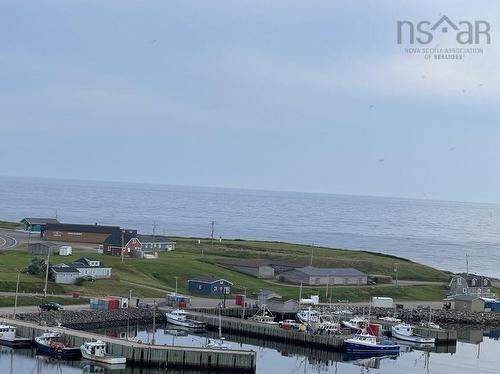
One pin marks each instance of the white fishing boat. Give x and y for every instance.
(404, 331)
(96, 351)
(356, 323)
(308, 316)
(178, 317)
(8, 337)
(264, 315)
(390, 319)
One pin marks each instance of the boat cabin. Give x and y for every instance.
(96, 348)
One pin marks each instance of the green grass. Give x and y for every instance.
(7, 301)
(151, 278)
(9, 225)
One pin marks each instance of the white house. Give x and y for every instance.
(86, 267)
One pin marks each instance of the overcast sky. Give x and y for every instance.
(280, 95)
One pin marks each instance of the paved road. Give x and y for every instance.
(8, 239)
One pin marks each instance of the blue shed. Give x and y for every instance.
(209, 286)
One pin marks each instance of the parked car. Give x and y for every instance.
(289, 322)
(89, 278)
(51, 306)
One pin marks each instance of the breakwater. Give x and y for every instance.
(152, 355)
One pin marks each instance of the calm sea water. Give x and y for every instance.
(476, 353)
(438, 233)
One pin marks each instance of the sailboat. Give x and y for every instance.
(218, 343)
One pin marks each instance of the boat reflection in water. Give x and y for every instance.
(370, 361)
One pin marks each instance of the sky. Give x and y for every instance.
(277, 95)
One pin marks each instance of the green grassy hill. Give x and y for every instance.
(154, 277)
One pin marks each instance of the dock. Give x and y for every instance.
(275, 333)
(164, 356)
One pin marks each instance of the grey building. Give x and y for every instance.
(470, 284)
(265, 295)
(42, 248)
(322, 276)
(65, 274)
(209, 286)
(280, 306)
(465, 302)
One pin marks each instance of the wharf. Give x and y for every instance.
(152, 355)
(275, 333)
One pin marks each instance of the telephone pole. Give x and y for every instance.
(47, 272)
(212, 224)
(123, 246)
(312, 254)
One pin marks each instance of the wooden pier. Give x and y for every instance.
(152, 355)
(275, 333)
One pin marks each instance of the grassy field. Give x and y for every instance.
(9, 225)
(151, 278)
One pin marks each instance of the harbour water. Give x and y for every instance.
(476, 352)
(438, 233)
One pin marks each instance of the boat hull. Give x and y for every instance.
(358, 348)
(68, 353)
(109, 360)
(17, 342)
(186, 323)
(413, 338)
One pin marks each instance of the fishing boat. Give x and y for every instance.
(405, 331)
(8, 337)
(96, 351)
(366, 343)
(308, 316)
(49, 344)
(178, 317)
(356, 323)
(264, 315)
(390, 319)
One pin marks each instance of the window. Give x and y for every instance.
(473, 282)
(459, 281)
(200, 286)
(485, 282)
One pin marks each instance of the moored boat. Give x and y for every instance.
(308, 316)
(365, 343)
(8, 337)
(96, 351)
(264, 315)
(178, 317)
(405, 331)
(49, 344)
(356, 323)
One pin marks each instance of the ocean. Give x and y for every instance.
(437, 233)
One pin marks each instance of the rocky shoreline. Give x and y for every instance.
(93, 319)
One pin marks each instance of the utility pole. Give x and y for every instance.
(300, 292)
(123, 246)
(176, 279)
(467, 263)
(244, 303)
(17, 291)
(154, 234)
(47, 272)
(212, 224)
(312, 254)
(326, 293)
(154, 320)
(396, 271)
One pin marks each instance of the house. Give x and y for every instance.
(209, 286)
(155, 243)
(470, 284)
(465, 303)
(68, 232)
(322, 276)
(127, 238)
(65, 250)
(36, 224)
(42, 248)
(87, 267)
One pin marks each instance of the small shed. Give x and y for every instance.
(65, 274)
(36, 224)
(65, 250)
(42, 248)
(209, 286)
(465, 302)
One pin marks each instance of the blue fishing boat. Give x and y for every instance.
(365, 343)
(49, 344)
